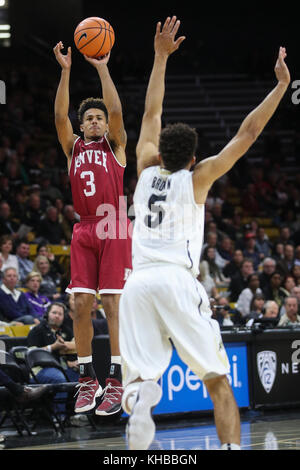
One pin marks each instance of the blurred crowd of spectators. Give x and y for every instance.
(242, 268)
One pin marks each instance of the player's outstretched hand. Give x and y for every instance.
(281, 69)
(99, 60)
(164, 41)
(63, 59)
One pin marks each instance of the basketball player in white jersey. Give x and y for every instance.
(162, 299)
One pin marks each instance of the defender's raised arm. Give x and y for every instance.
(210, 169)
(164, 45)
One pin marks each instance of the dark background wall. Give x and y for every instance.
(220, 37)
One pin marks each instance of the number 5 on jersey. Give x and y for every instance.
(155, 209)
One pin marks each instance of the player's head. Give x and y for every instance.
(177, 146)
(93, 118)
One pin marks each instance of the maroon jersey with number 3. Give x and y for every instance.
(96, 177)
(101, 245)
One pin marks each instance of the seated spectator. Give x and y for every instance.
(8, 260)
(285, 265)
(290, 317)
(270, 311)
(34, 211)
(51, 334)
(14, 304)
(245, 297)
(268, 267)
(240, 280)
(50, 229)
(48, 286)
(296, 293)
(225, 315)
(49, 192)
(262, 244)
(278, 251)
(206, 280)
(59, 204)
(225, 248)
(68, 222)
(25, 265)
(18, 204)
(209, 256)
(234, 265)
(250, 251)
(7, 225)
(39, 302)
(236, 232)
(56, 269)
(256, 307)
(211, 241)
(295, 271)
(288, 284)
(22, 393)
(274, 291)
(257, 304)
(285, 235)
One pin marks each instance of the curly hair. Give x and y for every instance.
(89, 103)
(177, 145)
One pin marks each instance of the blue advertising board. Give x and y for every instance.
(183, 391)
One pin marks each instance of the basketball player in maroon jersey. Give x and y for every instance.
(100, 257)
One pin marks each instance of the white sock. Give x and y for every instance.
(230, 446)
(85, 360)
(115, 360)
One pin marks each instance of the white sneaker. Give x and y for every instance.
(140, 428)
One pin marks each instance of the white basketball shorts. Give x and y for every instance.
(166, 302)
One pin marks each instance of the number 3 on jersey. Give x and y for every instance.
(89, 182)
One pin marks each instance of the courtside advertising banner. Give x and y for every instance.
(183, 391)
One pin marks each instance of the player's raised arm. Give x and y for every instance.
(164, 45)
(116, 133)
(63, 124)
(210, 169)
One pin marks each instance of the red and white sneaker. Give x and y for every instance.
(87, 392)
(112, 397)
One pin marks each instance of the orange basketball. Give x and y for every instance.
(94, 37)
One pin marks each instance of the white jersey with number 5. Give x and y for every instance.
(169, 225)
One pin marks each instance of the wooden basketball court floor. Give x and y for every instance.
(260, 430)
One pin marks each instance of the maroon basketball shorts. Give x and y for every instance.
(99, 262)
